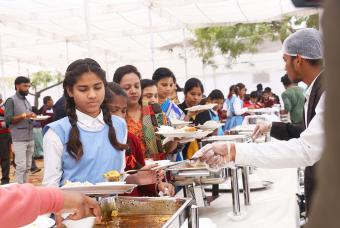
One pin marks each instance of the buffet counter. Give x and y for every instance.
(274, 207)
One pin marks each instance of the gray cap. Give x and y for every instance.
(306, 42)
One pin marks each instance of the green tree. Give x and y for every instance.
(234, 40)
(42, 81)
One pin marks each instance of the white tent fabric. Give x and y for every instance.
(43, 34)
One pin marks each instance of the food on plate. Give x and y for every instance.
(77, 184)
(165, 128)
(114, 213)
(112, 175)
(189, 129)
(174, 121)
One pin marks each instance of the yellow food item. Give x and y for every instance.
(112, 175)
(189, 129)
(114, 213)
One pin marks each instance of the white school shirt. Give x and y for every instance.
(52, 144)
(238, 109)
(297, 152)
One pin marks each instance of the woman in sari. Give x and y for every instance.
(138, 116)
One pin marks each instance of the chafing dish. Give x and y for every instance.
(164, 212)
(183, 174)
(235, 137)
(232, 172)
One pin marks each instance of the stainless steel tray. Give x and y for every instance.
(103, 189)
(183, 174)
(233, 138)
(145, 212)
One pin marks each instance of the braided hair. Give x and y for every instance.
(73, 72)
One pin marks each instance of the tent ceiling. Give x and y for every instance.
(52, 33)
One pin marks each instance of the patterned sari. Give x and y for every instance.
(145, 131)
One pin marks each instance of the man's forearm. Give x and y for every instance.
(18, 118)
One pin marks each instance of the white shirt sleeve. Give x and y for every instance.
(225, 106)
(53, 150)
(300, 152)
(238, 107)
(125, 141)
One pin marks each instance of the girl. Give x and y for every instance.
(88, 142)
(235, 108)
(134, 155)
(165, 81)
(231, 95)
(215, 97)
(193, 92)
(128, 78)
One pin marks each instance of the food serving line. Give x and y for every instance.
(122, 211)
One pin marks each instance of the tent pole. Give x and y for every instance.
(185, 55)
(19, 67)
(106, 64)
(2, 58)
(152, 45)
(87, 26)
(67, 52)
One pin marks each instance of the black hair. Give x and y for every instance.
(254, 94)
(231, 91)
(238, 88)
(123, 70)
(315, 62)
(216, 94)
(204, 100)
(46, 99)
(267, 90)
(21, 79)
(147, 83)
(285, 80)
(247, 97)
(73, 72)
(161, 73)
(259, 87)
(312, 62)
(178, 88)
(192, 83)
(116, 89)
(35, 110)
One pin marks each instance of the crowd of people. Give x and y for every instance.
(98, 126)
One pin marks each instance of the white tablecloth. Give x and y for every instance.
(272, 208)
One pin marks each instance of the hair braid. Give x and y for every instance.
(112, 133)
(74, 145)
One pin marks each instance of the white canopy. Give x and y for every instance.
(43, 34)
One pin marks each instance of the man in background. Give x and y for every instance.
(293, 99)
(18, 116)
